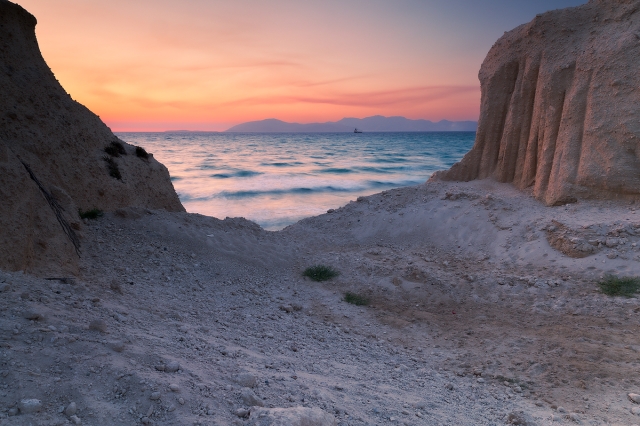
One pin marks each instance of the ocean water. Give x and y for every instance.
(278, 179)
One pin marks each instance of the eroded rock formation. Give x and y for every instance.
(63, 143)
(560, 106)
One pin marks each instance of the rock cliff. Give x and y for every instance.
(560, 106)
(57, 157)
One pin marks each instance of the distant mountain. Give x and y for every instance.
(376, 123)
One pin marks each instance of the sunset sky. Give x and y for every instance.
(210, 64)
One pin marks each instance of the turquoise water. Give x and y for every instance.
(278, 179)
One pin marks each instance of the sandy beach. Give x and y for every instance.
(474, 317)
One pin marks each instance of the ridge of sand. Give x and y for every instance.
(475, 318)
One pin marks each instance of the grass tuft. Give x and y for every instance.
(116, 149)
(114, 171)
(90, 214)
(142, 153)
(355, 299)
(620, 286)
(320, 273)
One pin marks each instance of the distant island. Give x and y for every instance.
(376, 123)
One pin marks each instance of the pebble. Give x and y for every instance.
(242, 412)
(98, 325)
(575, 417)
(246, 380)
(28, 406)
(181, 401)
(250, 398)
(171, 408)
(4, 287)
(634, 397)
(480, 380)
(155, 396)
(174, 388)
(117, 346)
(145, 421)
(449, 386)
(71, 409)
(13, 411)
(561, 410)
(636, 411)
(172, 367)
(32, 315)
(76, 420)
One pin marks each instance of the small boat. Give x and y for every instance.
(356, 130)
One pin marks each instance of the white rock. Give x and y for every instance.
(71, 409)
(28, 406)
(297, 416)
(174, 387)
(634, 397)
(172, 367)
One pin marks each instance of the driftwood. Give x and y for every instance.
(57, 210)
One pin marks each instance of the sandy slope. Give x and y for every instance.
(475, 318)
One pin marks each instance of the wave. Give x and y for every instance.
(237, 174)
(334, 170)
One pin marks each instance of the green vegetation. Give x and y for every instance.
(620, 286)
(115, 149)
(355, 299)
(114, 171)
(142, 153)
(90, 214)
(320, 273)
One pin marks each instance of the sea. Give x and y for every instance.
(276, 179)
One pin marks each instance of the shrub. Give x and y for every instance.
(142, 153)
(355, 299)
(114, 171)
(115, 149)
(320, 273)
(90, 214)
(620, 286)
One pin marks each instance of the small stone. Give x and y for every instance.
(636, 411)
(634, 397)
(171, 408)
(174, 388)
(115, 286)
(250, 398)
(561, 410)
(246, 380)
(117, 346)
(160, 367)
(71, 409)
(172, 367)
(98, 325)
(33, 315)
(155, 396)
(28, 406)
(287, 308)
(13, 411)
(145, 421)
(181, 401)
(449, 386)
(4, 287)
(575, 417)
(76, 420)
(242, 412)
(480, 380)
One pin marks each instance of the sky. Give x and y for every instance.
(154, 65)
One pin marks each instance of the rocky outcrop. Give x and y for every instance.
(77, 161)
(560, 106)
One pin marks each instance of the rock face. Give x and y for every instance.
(560, 106)
(63, 144)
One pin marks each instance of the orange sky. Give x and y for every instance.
(210, 64)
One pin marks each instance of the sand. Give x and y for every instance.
(474, 317)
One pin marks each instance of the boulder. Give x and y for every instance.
(56, 157)
(560, 106)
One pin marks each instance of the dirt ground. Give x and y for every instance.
(484, 309)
